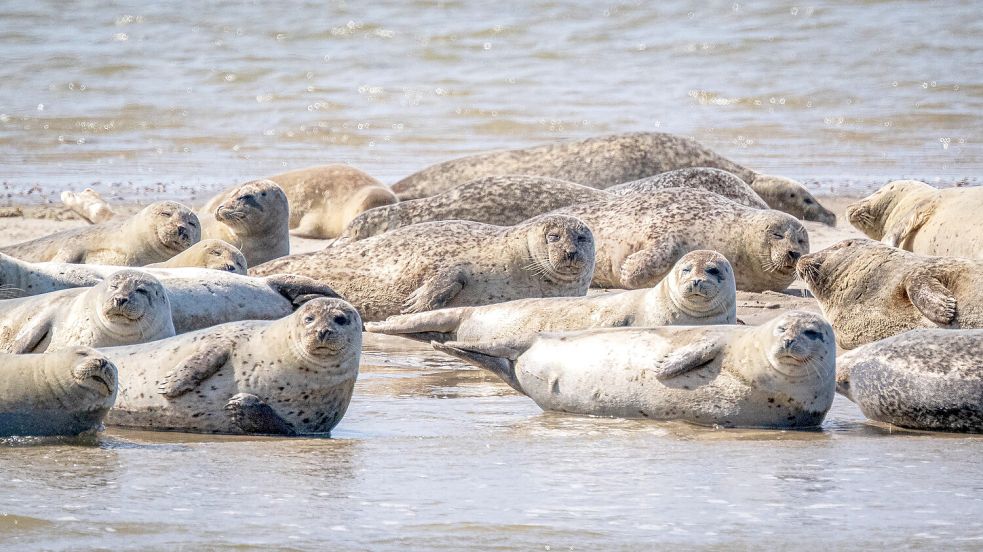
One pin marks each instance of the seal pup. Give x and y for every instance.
(290, 376)
(213, 254)
(253, 217)
(66, 392)
(698, 291)
(703, 178)
(640, 237)
(450, 264)
(155, 234)
(928, 379)
(128, 307)
(922, 219)
(605, 161)
(778, 375)
(870, 291)
(501, 200)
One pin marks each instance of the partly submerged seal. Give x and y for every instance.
(155, 234)
(870, 291)
(253, 217)
(605, 161)
(213, 254)
(703, 178)
(780, 374)
(923, 379)
(64, 392)
(452, 263)
(699, 291)
(291, 376)
(922, 219)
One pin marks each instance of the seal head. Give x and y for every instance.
(254, 208)
(133, 303)
(873, 214)
(792, 197)
(323, 328)
(702, 284)
(175, 226)
(776, 242)
(560, 248)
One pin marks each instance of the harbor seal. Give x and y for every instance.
(870, 291)
(500, 200)
(155, 234)
(66, 392)
(698, 291)
(712, 180)
(128, 307)
(290, 376)
(639, 237)
(605, 161)
(778, 375)
(929, 379)
(922, 219)
(23, 279)
(213, 254)
(452, 263)
(325, 198)
(253, 217)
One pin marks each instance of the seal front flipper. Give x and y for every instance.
(930, 296)
(70, 255)
(686, 358)
(899, 233)
(299, 289)
(646, 267)
(497, 357)
(30, 336)
(438, 290)
(252, 415)
(193, 370)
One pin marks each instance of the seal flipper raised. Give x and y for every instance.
(930, 296)
(254, 416)
(648, 266)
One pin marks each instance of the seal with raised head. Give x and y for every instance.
(290, 376)
(641, 236)
(870, 291)
(929, 379)
(66, 392)
(450, 264)
(605, 161)
(213, 254)
(130, 306)
(699, 291)
(155, 234)
(778, 375)
(712, 180)
(253, 217)
(501, 200)
(922, 219)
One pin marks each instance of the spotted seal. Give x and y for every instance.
(712, 180)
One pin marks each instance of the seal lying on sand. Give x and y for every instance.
(923, 379)
(780, 374)
(213, 254)
(640, 237)
(291, 376)
(452, 263)
(712, 180)
(605, 161)
(870, 291)
(920, 218)
(155, 234)
(501, 200)
(699, 291)
(253, 217)
(128, 307)
(64, 392)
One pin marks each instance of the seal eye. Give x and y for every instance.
(216, 253)
(813, 334)
(777, 236)
(341, 320)
(552, 238)
(248, 197)
(308, 319)
(143, 291)
(686, 270)
(166, 214)
(581, 238)
(808, 201)
(192, 224)
(713, 271)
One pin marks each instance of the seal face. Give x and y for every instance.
(253, 217)
(702, 286)
(175, 226)
(213, 254)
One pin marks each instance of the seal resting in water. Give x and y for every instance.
(779, 375)
(291, 376)
(605, 161)
(922, 219)
(928, 379)
(451, 263)
(699, 291)
(213, 254)
(64, 392)
(155, 234)
(870, 291)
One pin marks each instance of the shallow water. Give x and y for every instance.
(170, 98)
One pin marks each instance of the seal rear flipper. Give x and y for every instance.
(930, 296)
(438, 290)
(647, 267)
(687, 358)
(252, 415)
(300, 289)
(193, 370)
(443, 321)
(496, 357)
(899, 233)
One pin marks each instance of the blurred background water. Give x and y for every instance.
(173, 98)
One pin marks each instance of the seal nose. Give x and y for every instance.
(695, 282)
(787, 342)
(120, 301)
(794, 255)
(182, 232)
(571, 255)
(324, 333)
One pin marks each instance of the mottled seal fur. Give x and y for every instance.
(927, 379)
(698, 291)
(155, 234)
(500, 200)
(253, 217)
(213, 254)
(703, 178)
(452, 263)
(778, 375)
(870, 291)
(605, 161)
(639, 237)
(128, 307)
(64, 392)
(291, 376)
(922, 219)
